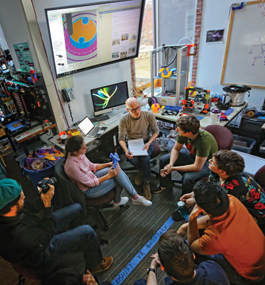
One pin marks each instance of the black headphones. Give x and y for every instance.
(151, 101)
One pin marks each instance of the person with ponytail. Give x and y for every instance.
(97, 179)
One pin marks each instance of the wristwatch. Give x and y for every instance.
(151, 269)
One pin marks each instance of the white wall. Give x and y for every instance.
(17, 25)
(86, 80)
(3, 43)
(215, 16)
(15, 29)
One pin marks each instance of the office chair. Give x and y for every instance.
(153, 161)
(260, 177)
(223, 137)
(69, 193)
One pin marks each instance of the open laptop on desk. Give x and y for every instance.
(88, 128)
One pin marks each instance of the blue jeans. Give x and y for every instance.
(80, 239)
(230, 271)
(188, 178)
(121, 179)
(143, 163)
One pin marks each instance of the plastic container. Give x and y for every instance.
(37, 175)
(243, 144)
(183, 209)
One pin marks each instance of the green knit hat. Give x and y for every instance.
(9, 191)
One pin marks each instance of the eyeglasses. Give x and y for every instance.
(134, 110)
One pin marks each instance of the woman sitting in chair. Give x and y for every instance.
(94, 179)
(227, 170)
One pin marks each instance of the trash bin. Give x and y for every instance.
(243, 144)
(37, 175)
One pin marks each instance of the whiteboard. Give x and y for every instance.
(244, 60)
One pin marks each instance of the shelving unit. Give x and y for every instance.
(175, 85)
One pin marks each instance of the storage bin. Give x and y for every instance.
(37, 175)
(243, 144)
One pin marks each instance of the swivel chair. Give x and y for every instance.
(69, 193)
(260, 177)
(153, 161)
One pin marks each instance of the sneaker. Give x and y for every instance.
(141, 201)
(158, 189)
(147, 191)
(103, 266)
(139, 178)
(123, 201)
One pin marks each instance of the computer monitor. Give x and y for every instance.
(94, 34)
(108, 98)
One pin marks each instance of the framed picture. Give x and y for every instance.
(214, 36)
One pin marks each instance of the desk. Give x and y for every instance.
(206, 118)
(92, 142)
(29, 134)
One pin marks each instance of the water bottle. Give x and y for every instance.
(183, 209)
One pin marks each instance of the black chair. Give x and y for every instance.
(260, 177)
(153, 160)
(69, 193)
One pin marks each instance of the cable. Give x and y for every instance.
(183, 39)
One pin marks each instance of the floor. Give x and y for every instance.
(130, 229)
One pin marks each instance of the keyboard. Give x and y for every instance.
(94, 131)
(99, 118)
(111, 120)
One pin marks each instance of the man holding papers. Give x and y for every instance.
(141, 130)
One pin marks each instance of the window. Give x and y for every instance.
(142, 63)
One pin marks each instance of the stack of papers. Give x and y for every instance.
(136, 147)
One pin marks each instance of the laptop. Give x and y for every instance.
(88, 128)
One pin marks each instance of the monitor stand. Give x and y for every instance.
(99, 118)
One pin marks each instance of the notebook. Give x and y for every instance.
(88, 128)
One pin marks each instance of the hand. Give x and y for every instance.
(47, 197)
(155, 261)
(109, 164)
(196, 212)
(146, 146)
(129, 154)
(114, 172)
(167, 170)
(89, 279)
(189, 202)
(184, 197)
(183, 229)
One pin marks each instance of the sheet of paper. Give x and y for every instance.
(136, 147)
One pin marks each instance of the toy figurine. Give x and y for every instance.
(115, 158)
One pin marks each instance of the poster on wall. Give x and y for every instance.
(214, 36)
(24, 56)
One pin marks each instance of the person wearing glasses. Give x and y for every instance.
(137, 124)
(192, 161)
(227, 170)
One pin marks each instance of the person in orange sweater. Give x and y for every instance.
(231, 236)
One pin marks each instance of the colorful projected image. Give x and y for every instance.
(103, 96)
(81, 36)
